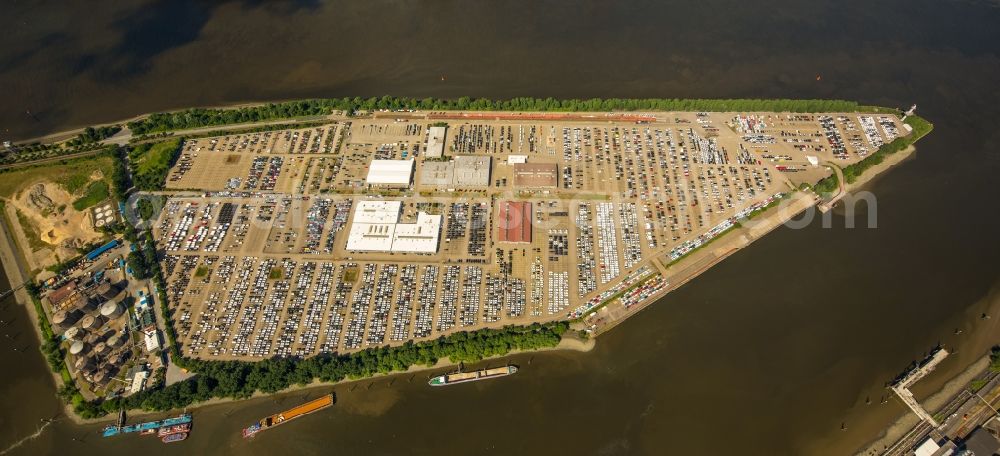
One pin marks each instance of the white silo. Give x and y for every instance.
(112, 310)
(77, 348)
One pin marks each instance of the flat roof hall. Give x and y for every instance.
(375, 228)
(390, 173)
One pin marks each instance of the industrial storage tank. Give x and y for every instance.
(102, 376)
(106, 291)
(92, 338)
(101, 348)
(84, 364)
(112, 310)
(77, 348)
(91, 322)
(116, 341)
(74, 333)
(65, 318)
(84, 303)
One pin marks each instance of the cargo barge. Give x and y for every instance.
(463, 377)
(288, 415)
(148, 427)
(168, 430)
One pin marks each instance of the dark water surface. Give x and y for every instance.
(767, 353)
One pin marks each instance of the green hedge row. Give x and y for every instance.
(921, 127)
(200, 117)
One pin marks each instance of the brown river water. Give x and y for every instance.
(766, 353)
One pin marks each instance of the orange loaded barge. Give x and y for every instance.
(288, 415)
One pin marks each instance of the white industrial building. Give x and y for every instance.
(152, 339)
(392, 173)
(377, 211)
(138, 382)
(435, 142)
(515, 159)
(375, 228)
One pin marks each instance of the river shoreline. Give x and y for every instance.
(872, 174)
(11, 257)
(567, 343)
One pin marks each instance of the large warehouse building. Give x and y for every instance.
(390, 173)
(514, 221)
(375, 228)
(536, 175)
(463, 171)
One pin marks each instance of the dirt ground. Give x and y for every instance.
(49, 208)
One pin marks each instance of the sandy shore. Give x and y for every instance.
(14, 267)
(871, 174)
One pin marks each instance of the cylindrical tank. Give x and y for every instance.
(84, 364)
(85, 304)
(92, 338)
(106, 290)
(116, 341)
(74, 333)
(76, 348)
(112, 310)
(65, 318)
(102, 376)
(91, 322)
(100, 348)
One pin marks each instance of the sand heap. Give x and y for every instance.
(49, 207)
(38, 199)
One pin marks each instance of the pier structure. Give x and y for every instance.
(902, 387)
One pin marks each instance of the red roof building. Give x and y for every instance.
(60, 294)
(514, 221)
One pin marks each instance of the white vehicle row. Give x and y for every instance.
(316, 306)
(585, 263)
(338, 310)
(471, 283)
(607, 242)
(425, 303)
(630, 234)
(383, 304)
(871, 131)
(449, 298)
(360, 305)
(558, 292)
(403, 310)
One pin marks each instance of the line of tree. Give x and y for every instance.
(19, 154)
(921, 127)
(120, 178)
(240, 379)
(201, 117)
(94, 134)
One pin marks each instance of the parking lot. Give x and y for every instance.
(259, 266)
